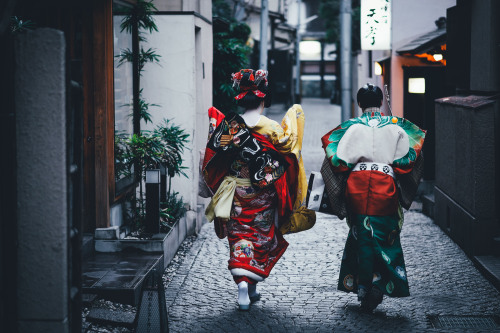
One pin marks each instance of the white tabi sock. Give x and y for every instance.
(243, 298)
(252, 290)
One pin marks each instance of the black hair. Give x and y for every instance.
(250, 101)
(370, 96)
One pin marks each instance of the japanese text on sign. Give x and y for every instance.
(375, 24)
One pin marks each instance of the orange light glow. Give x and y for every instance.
(430, 58)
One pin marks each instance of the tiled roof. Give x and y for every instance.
(424, 42)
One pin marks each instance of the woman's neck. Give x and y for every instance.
(252, 116)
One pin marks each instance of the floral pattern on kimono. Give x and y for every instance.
(255, 240)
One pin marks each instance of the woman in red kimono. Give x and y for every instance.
(254, 168)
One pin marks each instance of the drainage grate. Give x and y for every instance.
(464, 322)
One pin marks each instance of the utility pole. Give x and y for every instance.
(264, 23)
(345, 58)
(297, 55)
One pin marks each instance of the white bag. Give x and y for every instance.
(315, 190)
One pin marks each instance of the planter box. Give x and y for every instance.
(160, 243)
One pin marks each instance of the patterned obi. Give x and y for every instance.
(374, 166)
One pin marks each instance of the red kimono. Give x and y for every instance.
(265, 188)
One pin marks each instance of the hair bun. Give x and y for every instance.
(369, 96)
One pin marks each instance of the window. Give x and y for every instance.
(123, 99)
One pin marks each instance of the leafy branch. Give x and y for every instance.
(17, 25)
(145, 56)
(140, 15)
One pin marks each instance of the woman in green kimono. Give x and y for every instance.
(377, 156)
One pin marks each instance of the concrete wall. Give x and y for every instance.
(202, 7)
(182, 85)
(465, 171)
(41, 180)
(485, 50)
(467, 193)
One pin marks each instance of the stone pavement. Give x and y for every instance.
(300, 294)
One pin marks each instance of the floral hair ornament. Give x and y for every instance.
(249, 80)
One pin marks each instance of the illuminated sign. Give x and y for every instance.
(416, 85)
(375, 24)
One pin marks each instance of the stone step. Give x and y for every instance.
(428, 203)
(118, 277)
(496, 246)
(490, 267)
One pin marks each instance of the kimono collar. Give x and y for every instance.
(372, 112)
(252, 117)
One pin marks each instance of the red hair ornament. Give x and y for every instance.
(257, 93)
(253, 80)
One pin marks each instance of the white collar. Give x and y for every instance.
(252, 117)
(371, 109)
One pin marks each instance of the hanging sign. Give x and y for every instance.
(375, 23)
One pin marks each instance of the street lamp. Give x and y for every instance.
(163, 182)
(153, 201)
(378, 68)
(438, 57)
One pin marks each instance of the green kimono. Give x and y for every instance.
(373, 153)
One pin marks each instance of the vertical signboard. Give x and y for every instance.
(375, 23)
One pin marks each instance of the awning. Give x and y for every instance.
(424, 43)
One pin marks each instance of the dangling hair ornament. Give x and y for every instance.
(236, 78)
(261, 75)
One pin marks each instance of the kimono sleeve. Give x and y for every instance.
(416, 137)
(331, 141)
(287, 137)
(215, 117)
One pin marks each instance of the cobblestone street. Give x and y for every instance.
(301, 293)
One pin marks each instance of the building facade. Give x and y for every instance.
(65, 97)
(467, 185)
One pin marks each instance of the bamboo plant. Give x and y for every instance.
(148, 149)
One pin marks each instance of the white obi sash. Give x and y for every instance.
(374, 166)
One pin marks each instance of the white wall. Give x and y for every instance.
(178, 86)
(203, 7)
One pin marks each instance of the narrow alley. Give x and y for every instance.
(301, 293)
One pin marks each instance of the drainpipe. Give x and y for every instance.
(264, 23)
(345, 58)
(297, 55)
